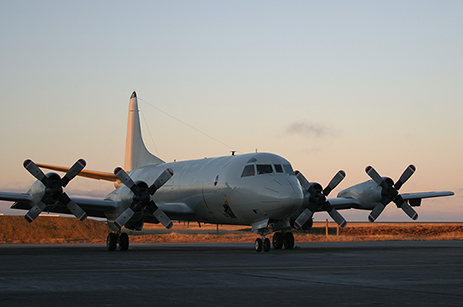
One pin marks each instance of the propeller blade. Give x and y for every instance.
(162, 179)
(34, 212)
(337, 217)
(124, 218)
(402, 204)
(303, 218)
(35, 171)
(73, 172)
(160, 215)
(303, 181)
(409, 210)
(376, 212)
(318, 198)
(405, 176)
(334, 182)
(374, 175)
(125, 179)
(78, 212)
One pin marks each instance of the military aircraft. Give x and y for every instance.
(257, 189)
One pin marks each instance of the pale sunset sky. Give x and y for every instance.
(328, 85)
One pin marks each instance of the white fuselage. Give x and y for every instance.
(221, 191)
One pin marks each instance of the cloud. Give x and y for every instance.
(308, 130)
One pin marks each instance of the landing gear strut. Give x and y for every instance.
(113, 239)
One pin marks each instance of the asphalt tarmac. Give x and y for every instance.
(401, 273)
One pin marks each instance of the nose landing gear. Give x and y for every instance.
(262, 244)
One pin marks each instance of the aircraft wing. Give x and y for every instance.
(93, 207)
(23, 197)
(421, 195)
(175, 211)
(344, 202)
(99, 207)
(414, 199)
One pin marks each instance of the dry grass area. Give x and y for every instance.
(48, 229)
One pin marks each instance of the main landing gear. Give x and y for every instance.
(114, 238)
(280, 239)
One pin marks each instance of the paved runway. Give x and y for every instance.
(402, 273)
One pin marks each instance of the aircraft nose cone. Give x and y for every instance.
(281, 197)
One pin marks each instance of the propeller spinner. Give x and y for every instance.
(390, 192)
(142, 198)
(317, 200)
(54, 190)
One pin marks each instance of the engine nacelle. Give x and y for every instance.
(136, 222)
(37, 190)
(125, 197)
(368, 193)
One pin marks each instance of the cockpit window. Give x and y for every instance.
(252, 160)
(278, 168)
(249, 170)
(288, 169)
(264, 169)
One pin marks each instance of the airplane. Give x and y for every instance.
(256, 189)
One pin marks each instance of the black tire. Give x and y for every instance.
(123, 242)
(258, 245)
(266, 246)
(288, 240)
(277, 240)
(111, 241)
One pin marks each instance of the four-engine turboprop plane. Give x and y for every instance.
(257, 189)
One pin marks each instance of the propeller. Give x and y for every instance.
(54, 190)
(390, 192)
(317, 199)
(142, 198)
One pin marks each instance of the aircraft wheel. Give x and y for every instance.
(111, 242)
(277, 240)
(258, 245)
(288, 240)
(266, 246)
(123, 242)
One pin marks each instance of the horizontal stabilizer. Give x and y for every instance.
(84, 173)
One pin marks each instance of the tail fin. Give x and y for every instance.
(136, 154)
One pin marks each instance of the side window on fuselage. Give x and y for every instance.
(249, 170)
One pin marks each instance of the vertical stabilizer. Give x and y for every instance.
(136, 154)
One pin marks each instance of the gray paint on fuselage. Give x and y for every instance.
(250, 198)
